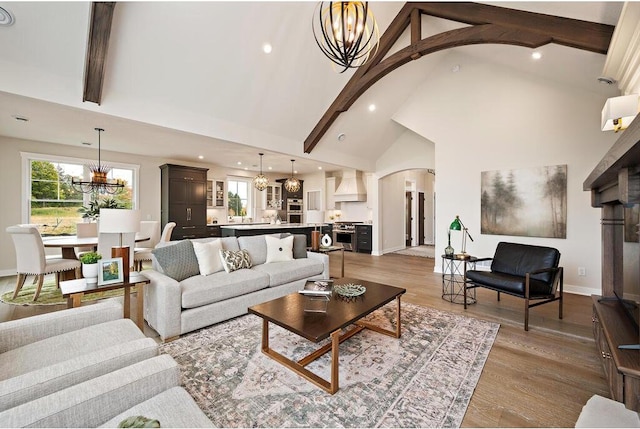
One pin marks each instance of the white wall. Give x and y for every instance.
(488, 118)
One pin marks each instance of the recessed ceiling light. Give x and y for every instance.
(6, 17)
(456, 68)
(246, 168)
(239, 162)
(372, 107)
(200, 157)
(20, 118)
(341, 137)
(269, 168)
(267, 48)
(295, 171)
(536, 55)
(319, 167)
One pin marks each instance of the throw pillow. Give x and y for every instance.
(299, 244)
(235, 260)
(279, 249)
(208, 255)
(177, 261)
(139, 422)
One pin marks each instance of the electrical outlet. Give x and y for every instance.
(582, 271)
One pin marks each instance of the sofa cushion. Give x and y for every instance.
(51, 378)
(173, 408)
(199, 290)
(299, 244)
(279, 249)
(510, 283)
(208, 255)
(178, 261)
(228, 243)
(256, 245)
(285, 272)
(235, 260)
(67, 346)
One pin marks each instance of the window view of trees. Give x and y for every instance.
(238, 198)
(56, 206)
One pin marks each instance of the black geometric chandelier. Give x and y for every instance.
(346, 32)
(99, 183)
(292, 184)
(261, 181)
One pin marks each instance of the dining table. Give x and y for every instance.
(68, 243)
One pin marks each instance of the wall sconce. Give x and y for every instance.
(618, 112)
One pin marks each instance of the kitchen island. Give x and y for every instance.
(244, 230)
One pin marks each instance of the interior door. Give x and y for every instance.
(421, 218)
(408, 217)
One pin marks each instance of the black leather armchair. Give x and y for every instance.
(522, 270)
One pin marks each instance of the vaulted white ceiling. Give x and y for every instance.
(184, 79)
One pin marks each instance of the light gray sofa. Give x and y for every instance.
(174, 307)
(86, 367)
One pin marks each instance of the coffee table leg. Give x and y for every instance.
(376, 328)
(75, 300)
(328, 386)
(127, 302)
(335, 343)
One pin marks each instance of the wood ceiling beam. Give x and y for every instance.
(97, 46)
(488, 25)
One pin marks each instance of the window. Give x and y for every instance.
(55, 206)
(239, 197)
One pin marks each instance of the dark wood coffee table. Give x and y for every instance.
(288, 312)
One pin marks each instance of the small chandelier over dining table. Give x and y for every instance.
(292, 184)
(99, 183)
(346, 32)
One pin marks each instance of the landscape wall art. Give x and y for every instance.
(528, 202)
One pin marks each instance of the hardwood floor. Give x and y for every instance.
(540, 378)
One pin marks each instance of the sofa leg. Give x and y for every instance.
(526, 314)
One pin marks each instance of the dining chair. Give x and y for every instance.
(107, 240)
(166, 232)
(151, 229)
(86, 229)
(31, 260)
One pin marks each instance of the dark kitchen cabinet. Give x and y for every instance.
(364, 238)
(183, 200)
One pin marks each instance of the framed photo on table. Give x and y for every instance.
(110, 271)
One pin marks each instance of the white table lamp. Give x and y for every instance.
(120, 221)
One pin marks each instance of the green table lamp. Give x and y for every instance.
(457, 225)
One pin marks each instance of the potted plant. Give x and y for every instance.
(90, 266)
(91, 212)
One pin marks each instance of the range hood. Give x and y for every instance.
(351, 187)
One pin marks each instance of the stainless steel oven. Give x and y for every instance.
(294, 205)
(345, 234)
(294, 217)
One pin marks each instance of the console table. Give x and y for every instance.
(74, 290)
(454, 271)
(614, 184)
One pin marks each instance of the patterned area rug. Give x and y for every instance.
(424, 379)
(51, 295)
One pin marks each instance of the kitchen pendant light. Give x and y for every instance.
(292, 184)
(261, 181)
(99, 183)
